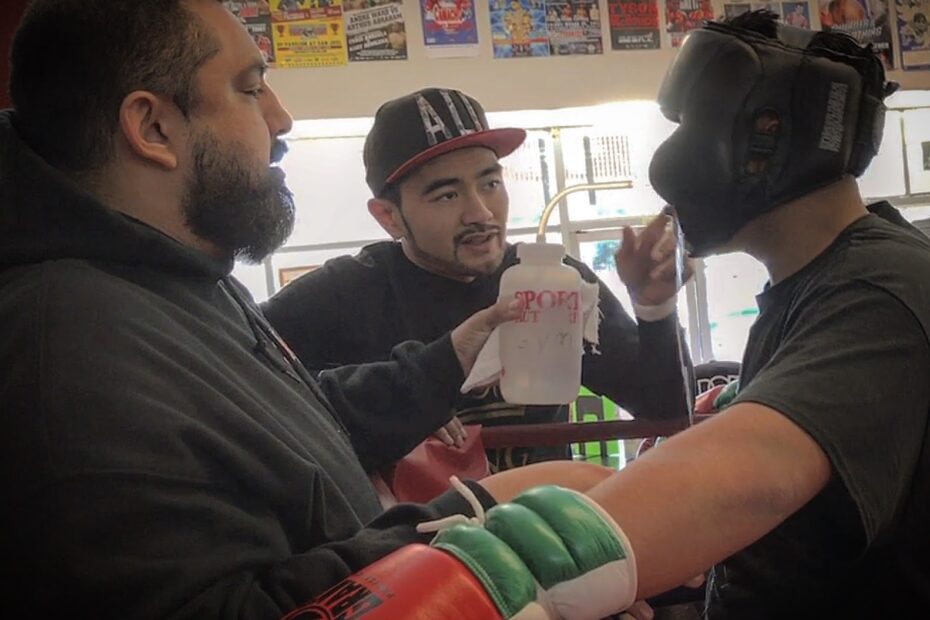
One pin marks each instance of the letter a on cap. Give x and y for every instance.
(433, 124)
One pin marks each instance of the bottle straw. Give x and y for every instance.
(544, 220)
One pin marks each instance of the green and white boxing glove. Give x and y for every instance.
(550, 554)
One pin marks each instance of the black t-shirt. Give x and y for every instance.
(355, 309)
(841, 349)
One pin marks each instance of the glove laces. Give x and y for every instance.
(428, 527)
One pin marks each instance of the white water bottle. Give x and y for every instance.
(541, 351)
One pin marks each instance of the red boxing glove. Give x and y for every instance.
(550, 553)
(415, 582)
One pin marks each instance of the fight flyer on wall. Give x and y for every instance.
(255, 15)
(796, 14)
(375, 30)
(914, 34)
(683, 16)
(634, 24)
(449, 28)
(308, 33)
(865, 20)
(518, 28)
(574, 27)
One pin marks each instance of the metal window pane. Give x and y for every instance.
(529, 174)
(917, 146)
(885, 175)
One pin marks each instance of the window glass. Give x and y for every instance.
(733, 281)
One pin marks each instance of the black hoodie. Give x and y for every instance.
(163, 457)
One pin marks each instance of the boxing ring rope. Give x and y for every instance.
(561, 433)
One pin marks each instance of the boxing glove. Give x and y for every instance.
(550, 554)
(578, 557)
(415, 582)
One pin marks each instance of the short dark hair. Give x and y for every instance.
(391, 193)
(74, 61)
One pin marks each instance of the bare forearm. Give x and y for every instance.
(578, 476)
(710, 492)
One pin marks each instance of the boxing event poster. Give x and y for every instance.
(375, 30)
(865, 20)
(683, 16)
(913, 33)
(574, 27)
(518, 28)
(449, 28)
(634, 24)
(255, 15)
(796, 14)
(308, 33)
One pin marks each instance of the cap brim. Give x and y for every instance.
(502, 141)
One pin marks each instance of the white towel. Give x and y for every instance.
(487, 368)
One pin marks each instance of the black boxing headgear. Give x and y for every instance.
(767, 113)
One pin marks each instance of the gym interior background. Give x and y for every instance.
(590, 118)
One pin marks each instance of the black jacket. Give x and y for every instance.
(162, 457)
(355, 309)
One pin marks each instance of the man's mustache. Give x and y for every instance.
(278, 150)
(476, 229)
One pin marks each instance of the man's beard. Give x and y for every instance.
(454, 267)
(245, 214)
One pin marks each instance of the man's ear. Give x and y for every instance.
(387, 214)
(153, 128)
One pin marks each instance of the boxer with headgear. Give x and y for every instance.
(810, 493)
(763, 120)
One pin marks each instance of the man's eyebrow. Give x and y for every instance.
(494, 168)
(440, 183)
(259, 66)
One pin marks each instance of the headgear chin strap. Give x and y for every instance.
(763, 121)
